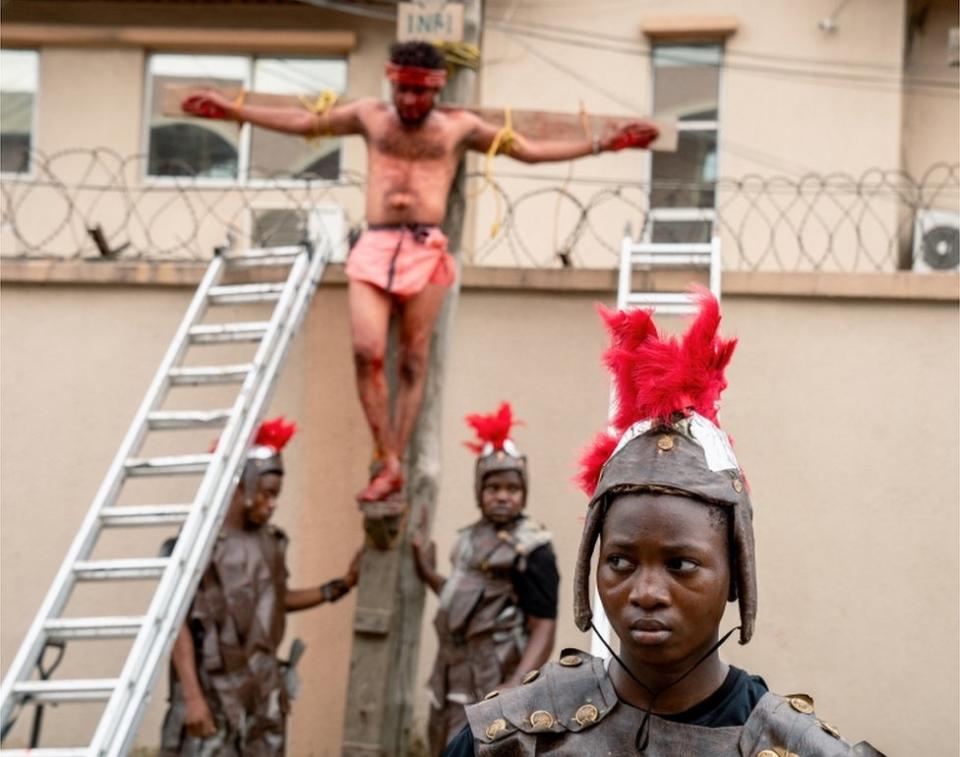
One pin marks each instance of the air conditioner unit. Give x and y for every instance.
(279, 226)
(936, 241)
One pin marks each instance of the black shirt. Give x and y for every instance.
(537, 586)
(730, 705)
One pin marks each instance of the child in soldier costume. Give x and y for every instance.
(670, 507)
(228, 694)
(498, 609)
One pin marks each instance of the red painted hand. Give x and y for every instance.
(637, 135)
(209, 104)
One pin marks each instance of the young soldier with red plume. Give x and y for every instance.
(227, 694)
(671, 509)
(498, 609)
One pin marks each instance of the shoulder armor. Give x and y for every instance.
(571, 695)
(788, 725)
(528, 536)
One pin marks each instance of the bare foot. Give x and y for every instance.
(388, 480)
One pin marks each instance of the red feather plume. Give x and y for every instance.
(657, 378)
(493, 428)
(275, 433)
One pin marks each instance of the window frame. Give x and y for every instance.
(688, 213)
(244, 143)
(31, 173)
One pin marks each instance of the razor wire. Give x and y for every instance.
(93, 203)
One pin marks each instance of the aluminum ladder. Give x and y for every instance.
(653, 256)
(126, 696)
(658, 255)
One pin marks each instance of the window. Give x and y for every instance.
(686, 84)
(179, 145)
(18, 95)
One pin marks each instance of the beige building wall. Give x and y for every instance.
(843, 411)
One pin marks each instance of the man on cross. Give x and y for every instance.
(401, 261)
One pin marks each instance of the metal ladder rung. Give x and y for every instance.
(676, 260)
(659, 298)
(175, 465)
(267, 256)
(209, 374)
(181, 419)
(252, 331)
(75, 690)
(125, 570)
(115, 627)
(239, 294)
(670, 248)
(144, 515)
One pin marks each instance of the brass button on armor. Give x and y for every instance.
(829, 728)
(665, 443)
(541, 719)
(496, 728)
(492, 695)
(571, 660)
(737, 485)
(587, 714)
(530, 677)
(801, 705)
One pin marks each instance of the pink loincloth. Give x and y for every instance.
(402, 260)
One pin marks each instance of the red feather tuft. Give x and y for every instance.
(493, 428)
(681, 376)
(594, 457)
(275, 433)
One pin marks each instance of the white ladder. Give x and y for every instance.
(658, 255)
(178, 575)
(652, 256)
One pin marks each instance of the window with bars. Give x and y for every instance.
(686, 85)
(181, 145)
(18, 97)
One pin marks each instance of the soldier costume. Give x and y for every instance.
(237, 622)
(501, 574)
(665, 441)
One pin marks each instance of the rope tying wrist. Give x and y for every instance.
(333, 590)
(321, 107)
(238, 102)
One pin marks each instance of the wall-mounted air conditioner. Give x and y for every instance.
(279, 226)
(936, 241)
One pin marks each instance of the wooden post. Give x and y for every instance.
(390, 598)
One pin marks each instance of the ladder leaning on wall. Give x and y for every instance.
(652, 256)
(127, 695)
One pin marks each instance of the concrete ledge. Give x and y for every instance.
(900, 285)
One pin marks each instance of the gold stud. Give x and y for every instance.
(737, 485)
(767, 753)
(492, 695)
(530, 677)
(496, 728)
(801, 704)
(571, 660)
(829, 728)
(588, 713)
(665, 443)
(541, 720)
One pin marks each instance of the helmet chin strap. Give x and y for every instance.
(643, 733)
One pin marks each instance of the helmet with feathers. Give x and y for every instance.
(264, 454)
(495, 450)
(664, 437)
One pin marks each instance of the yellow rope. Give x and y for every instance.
(502, 142)
(240, 99)
(459, 54)
(321, 106)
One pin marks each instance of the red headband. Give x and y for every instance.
(414, 76)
